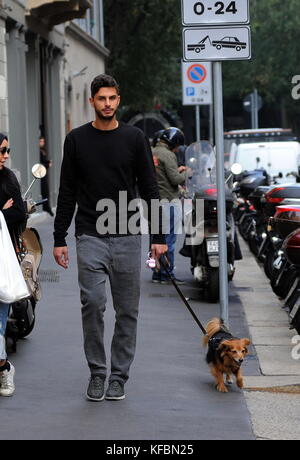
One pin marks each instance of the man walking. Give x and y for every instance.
(102, 159)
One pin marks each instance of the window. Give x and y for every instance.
(92, 22)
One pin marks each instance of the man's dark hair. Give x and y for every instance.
(103, 81)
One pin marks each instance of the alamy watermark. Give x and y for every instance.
(296, 88)
(296, 349)
(177, 216)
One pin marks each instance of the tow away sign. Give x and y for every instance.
(197, 83)
(217, 44)
(210, 12)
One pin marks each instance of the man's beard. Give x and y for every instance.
(103, 117)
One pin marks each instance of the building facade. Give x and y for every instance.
(49, 52)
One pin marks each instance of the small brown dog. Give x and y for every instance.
(225, 354)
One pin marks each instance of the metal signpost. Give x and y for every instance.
(197, 87)
(253, 103)
(217, 31)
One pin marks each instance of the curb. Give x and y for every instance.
(269, 328)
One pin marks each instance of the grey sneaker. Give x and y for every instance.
(115, 391)
(95, 391)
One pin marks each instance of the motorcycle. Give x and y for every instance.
(285, 194)
(201, 220)
(249, 215)
(291, 249)
(258, 226)
(285, 221)
(29, 250)
(245, 213)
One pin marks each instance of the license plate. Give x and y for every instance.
(212, 246)
(278, 263)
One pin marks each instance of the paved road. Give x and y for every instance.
(170, 395)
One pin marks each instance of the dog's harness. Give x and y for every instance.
(216, 340)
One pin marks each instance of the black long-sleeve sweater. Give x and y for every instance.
(97, 165)
(9, 188)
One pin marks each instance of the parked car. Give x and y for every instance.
(277, 158)
(236, 137)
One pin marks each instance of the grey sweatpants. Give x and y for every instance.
(119, 259)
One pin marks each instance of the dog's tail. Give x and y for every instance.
(214, 326)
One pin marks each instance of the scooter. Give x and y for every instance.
(201, 220)
(258, 226)
(285, 222)
(21, 318)
(285, 194)
(250, 216)
(291, 249)
(245, 212)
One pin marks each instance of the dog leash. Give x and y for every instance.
(183, 298)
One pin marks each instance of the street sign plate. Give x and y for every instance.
(217, 44)
(210, 12)
(197, 83)
(249, 101)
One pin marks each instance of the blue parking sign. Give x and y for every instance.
(196, 83)
(190, 91)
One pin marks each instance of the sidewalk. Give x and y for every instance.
(273, 397)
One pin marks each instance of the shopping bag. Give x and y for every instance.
(12, 283)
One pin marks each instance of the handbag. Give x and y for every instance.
(12, 284)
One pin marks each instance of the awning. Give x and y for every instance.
(58, 11)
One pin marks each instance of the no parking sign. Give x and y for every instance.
(197, 83)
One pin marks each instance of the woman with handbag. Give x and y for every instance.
(12, 207)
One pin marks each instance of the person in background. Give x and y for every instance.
(169, 177)
(44, 160)
(12, 207)
(156, 137)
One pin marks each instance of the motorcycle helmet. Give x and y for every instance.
(157, 137)
(173, 137)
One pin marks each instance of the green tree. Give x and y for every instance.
(144, 38)
(145, 41)
(276, 56)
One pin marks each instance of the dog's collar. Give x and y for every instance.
(220, 337)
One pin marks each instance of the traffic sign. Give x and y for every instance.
(210, 12)
(216, 44)
(197, 83)
(196, 73)
(249, 101)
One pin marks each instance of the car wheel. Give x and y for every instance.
(238, 48)
(219, 47)
(197, 50)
